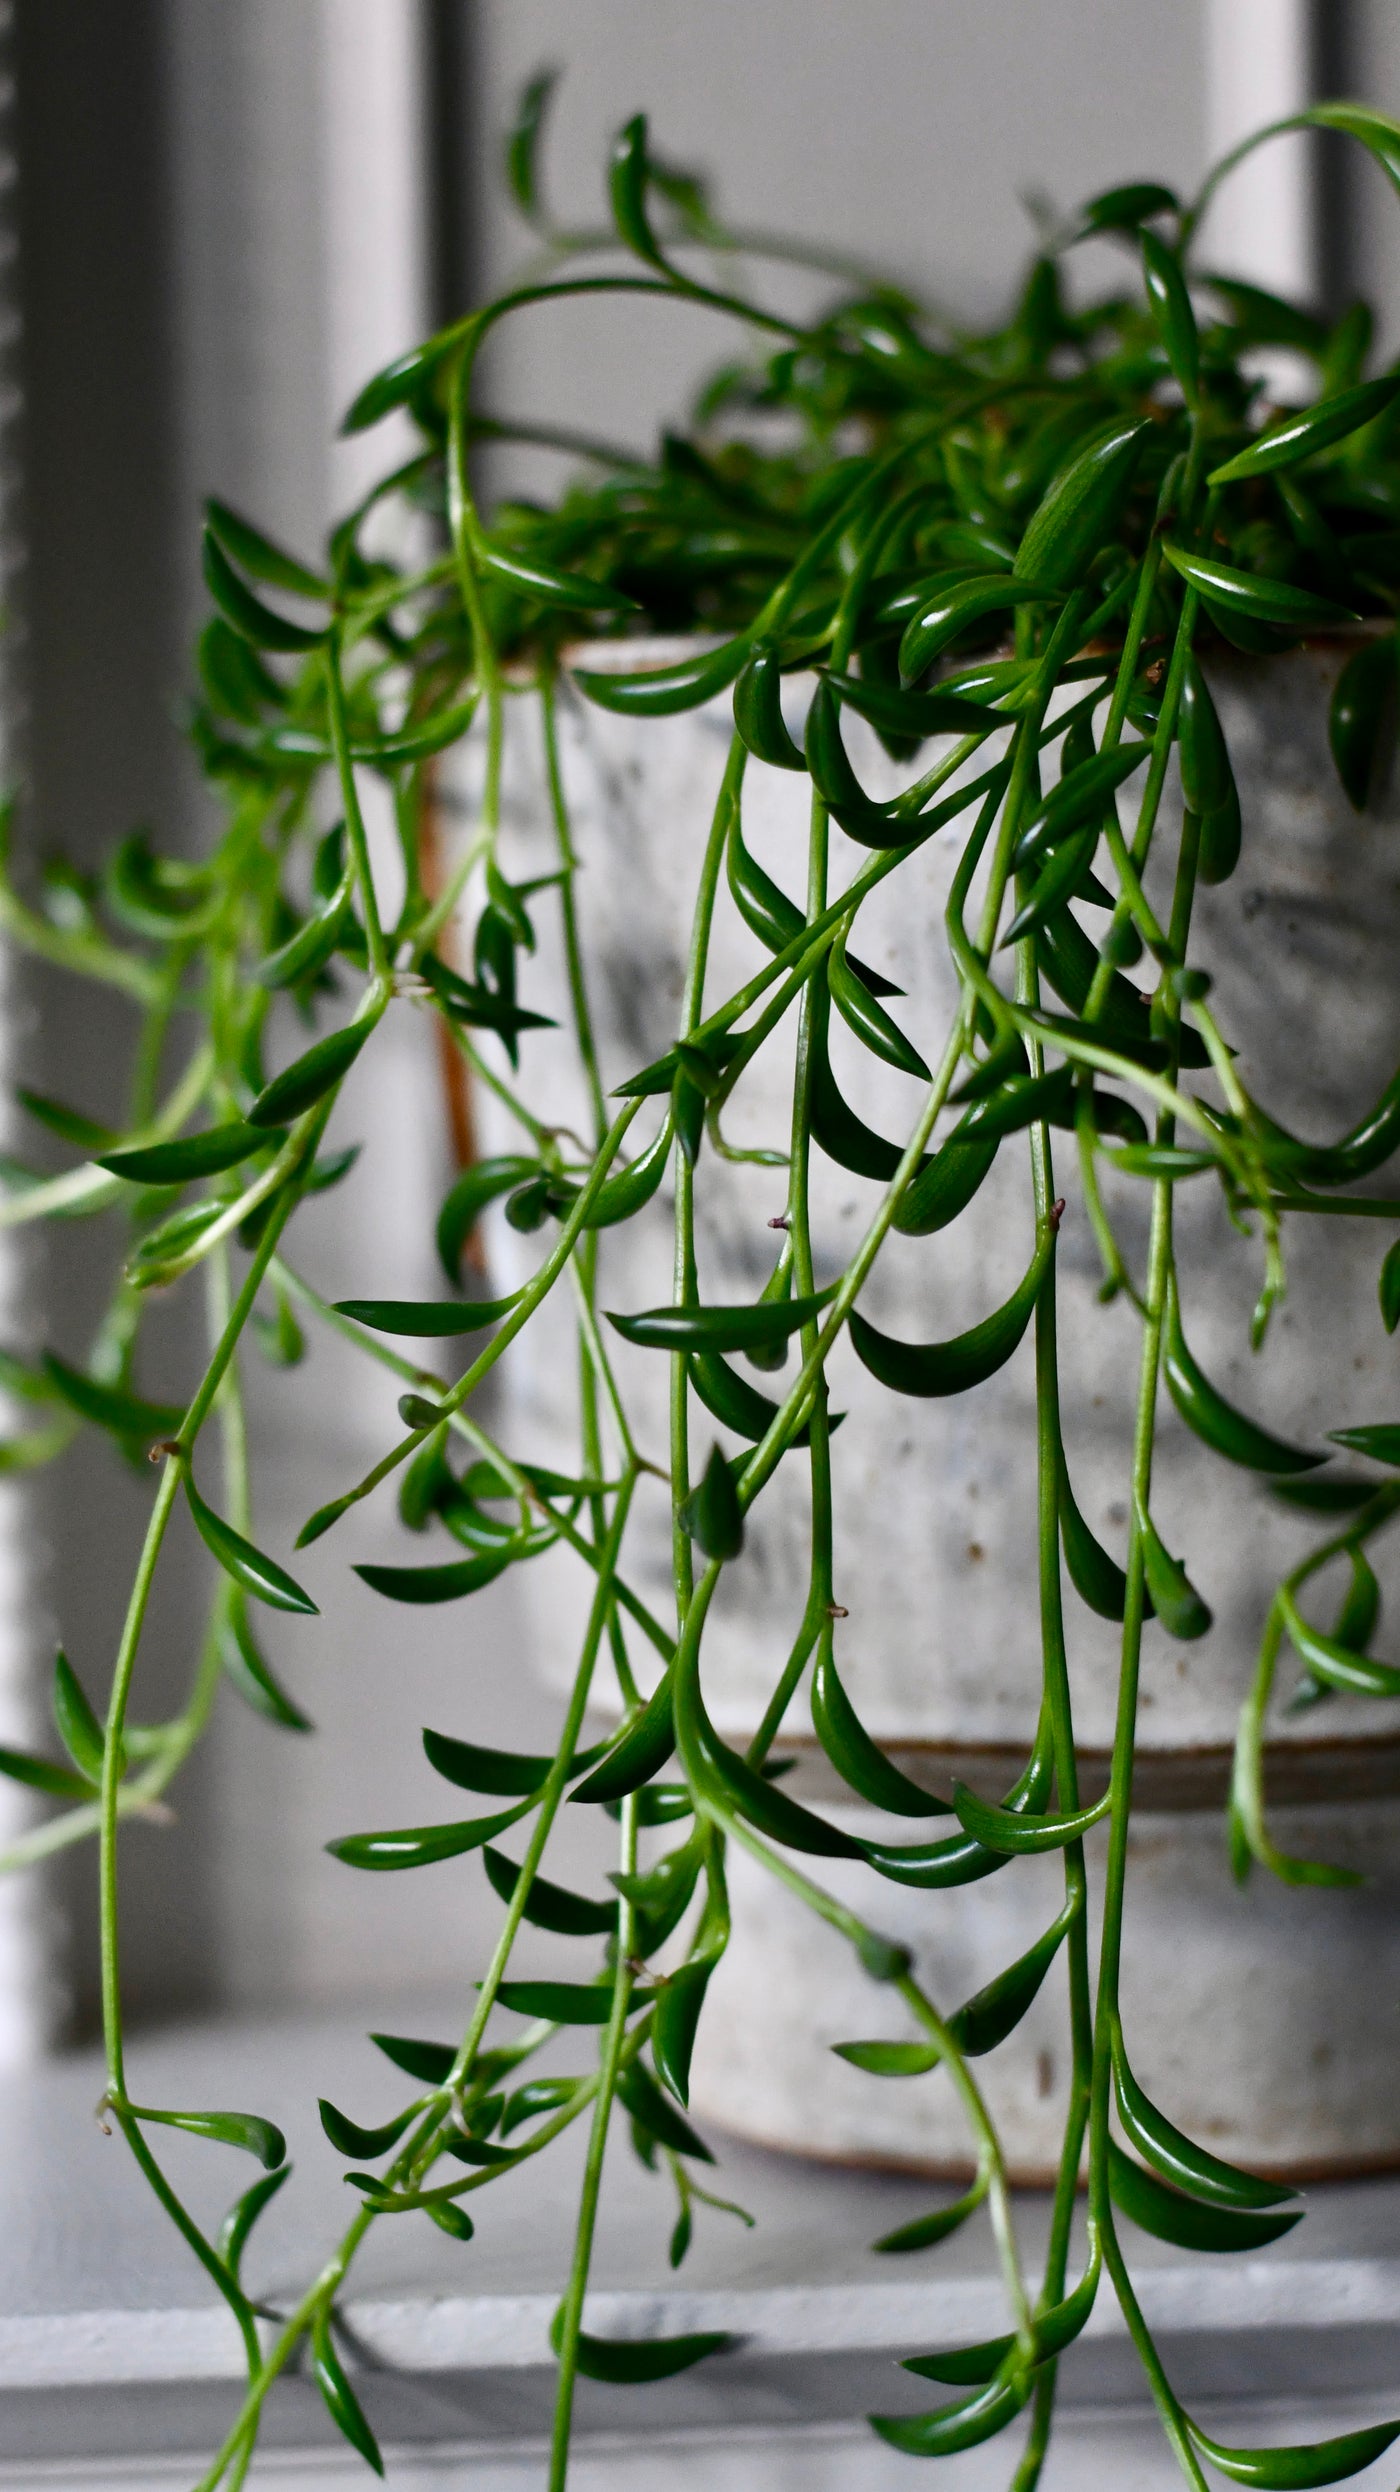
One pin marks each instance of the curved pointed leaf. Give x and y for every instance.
(945, 1185)
(625, 1192)
(1097, 1578)
(539, 580)
(985, 2020)
(1054, 2330)
(1186, 2221)
(631, 2363)
(953, 609)
(765, 909)
(928, 1369)
(1335, 1663)
(547, 1906)
(244, 2129)
(639, 1752)
(542, 2094)
(502, 1770)
(1079, 798)
(1176, 2157)
(1255, 596)
(662, 691)
(77, 1725)
(303, 1083)
(251, 1674)
(1217, 1422)
(1304, 2464)
(107, 1405)
(961, 1859)
(58, 1782)
(711, 1514)
(1207, 780)
(250, 618)
(889, 2059)
(1381, 1442)
(257, 1573)
(1011, 1830)
(564, 2002)
(1312, 429)
(1174, 1597)
(927, 2230)
(424, 1585)
(1081, 507)
(523, 142)
(260, 557)
(427, 1319)
(452, 2219)
(196, 1155)
(868, 1018)
(721, 1328)
(629, 173)
(836, 1129)
(243, 2214)
(430, 2062)
(1170, 302)
(768, 1808)
(642, 2096)
(861, 817)
(477, 1186)
(1068, 876)
(963, 2425)
(417, 738)
(758, 712)
(341, 2402)
(912, 716)
(362, 2145)
(675, 2020)
(855, 1755)
(418, 1847)
(1362, 720)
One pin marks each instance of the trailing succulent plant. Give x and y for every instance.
(1007, 552)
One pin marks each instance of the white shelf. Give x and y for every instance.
(112, 2348)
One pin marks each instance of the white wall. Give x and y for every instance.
(905, 131)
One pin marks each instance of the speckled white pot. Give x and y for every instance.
(1265, 2020)
(935, 1554)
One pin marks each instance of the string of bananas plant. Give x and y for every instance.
(1009, 549)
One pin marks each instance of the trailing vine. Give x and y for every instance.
(1002, 550)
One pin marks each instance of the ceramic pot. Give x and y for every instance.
(935, 1550)
(1264, 2020)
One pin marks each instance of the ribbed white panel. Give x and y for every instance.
(375, 209)
(27, 1996)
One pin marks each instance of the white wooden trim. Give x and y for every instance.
(1258, 68)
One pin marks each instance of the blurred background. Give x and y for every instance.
(218, 217)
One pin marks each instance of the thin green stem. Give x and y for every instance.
(571, 2320)
(354, 817)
